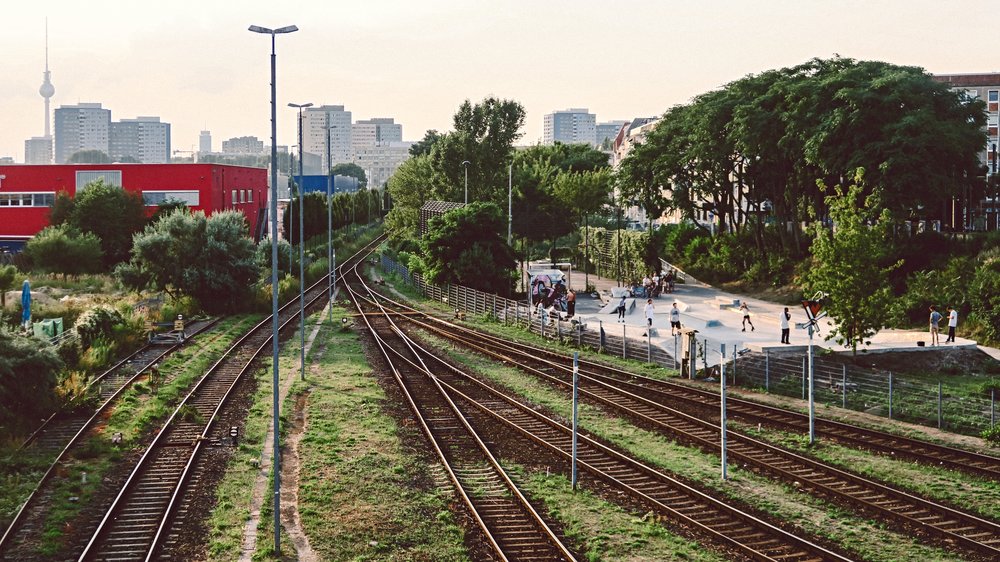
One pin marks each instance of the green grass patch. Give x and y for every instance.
(363, 495)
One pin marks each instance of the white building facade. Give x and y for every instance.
(570, 126)
(143, 139)
(380, 160)
(321, 125)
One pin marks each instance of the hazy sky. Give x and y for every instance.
(195, 65)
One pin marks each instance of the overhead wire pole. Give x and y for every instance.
(302, 245)
(331, 268)
(276, 453)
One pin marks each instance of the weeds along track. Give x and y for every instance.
(150, 510)
(654, 406)
(510, 526)
(496, 414)
(64, 430)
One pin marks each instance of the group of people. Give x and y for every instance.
(935, 318)
(654, 284)
(552, 297)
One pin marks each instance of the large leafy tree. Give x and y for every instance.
(409, 188)
(352, 170)
(423, 146)
(89, 157)
(210, 259)
(484, 136)
(852, 263)
(110, 213)
(464, 246)
(28, 369)
(63, 249)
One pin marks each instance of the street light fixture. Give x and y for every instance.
(276, 453)
(466, 163)
(302, 273)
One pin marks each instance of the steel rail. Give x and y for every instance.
(87, 425)
(750, 551)
(536, 520)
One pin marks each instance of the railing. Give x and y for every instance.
(873, 391)
(619, 340)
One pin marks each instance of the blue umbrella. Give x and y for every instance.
(26, 303)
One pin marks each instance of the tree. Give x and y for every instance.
(351, 170)
(28, 369)
(852, 263)
(89, 157)
(984, 293)
(210, 259)
(423, 146)
(167, 207)
(409, 188)
(8, 274)
(111, 213)
(314, 217)
(63, 249)
(464, 246)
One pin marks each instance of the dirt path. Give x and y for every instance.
(261, 490)
(290, 468)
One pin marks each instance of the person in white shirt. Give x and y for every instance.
(649, 312)
(952, 324)
(675, 320)
(784, 317)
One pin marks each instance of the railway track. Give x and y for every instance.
(150, 508)
(658, 409)
(487, 408)
(63, 432)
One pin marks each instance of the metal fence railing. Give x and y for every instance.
(618, 340)
(873, 391)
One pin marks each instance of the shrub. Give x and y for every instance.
(984, 293)
(97, 323)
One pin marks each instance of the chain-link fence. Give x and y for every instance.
(630, 342)
(873, 391)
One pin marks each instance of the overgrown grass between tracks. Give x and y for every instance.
(868, 539)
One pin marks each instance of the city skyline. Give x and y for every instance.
(198, 68)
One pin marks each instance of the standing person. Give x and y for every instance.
(746, 317)
(935, 331)
(649, 313)
(621, 309)
(952, 324)
(784, 318)
(675, 320)
(570, 303)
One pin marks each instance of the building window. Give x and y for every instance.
(243, 196)
(234, 197)
(249, 196)
(110, 177)
(994, 95)
(45, 199)
(157, 198)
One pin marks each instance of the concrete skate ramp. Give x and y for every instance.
(612, 307)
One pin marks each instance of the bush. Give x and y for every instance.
(28, 369)
(97, 323)
(992, 435)
(984, 293)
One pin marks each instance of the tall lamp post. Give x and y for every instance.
(330, 263)
(302, 243)
(274, 282)
(466, 163)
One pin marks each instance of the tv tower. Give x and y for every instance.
(47, 90)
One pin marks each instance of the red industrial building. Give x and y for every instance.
(27, 192)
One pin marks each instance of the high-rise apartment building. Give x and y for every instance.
(243, 145)
(607, 132)
(380, 160)
(322, 124)
(144, 140)
(570, 126)
(205, 142)
(38, 150)
(85, 126)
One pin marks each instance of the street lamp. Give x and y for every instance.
(302, 273)
(466, 163)
(276, 453)
(330, 263)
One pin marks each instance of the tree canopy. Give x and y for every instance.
(352, 170)
(750, 153)
(464, 246)
(89, 157)
(851, 263)
(64, 249)
(110, 213)
(210, 259)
